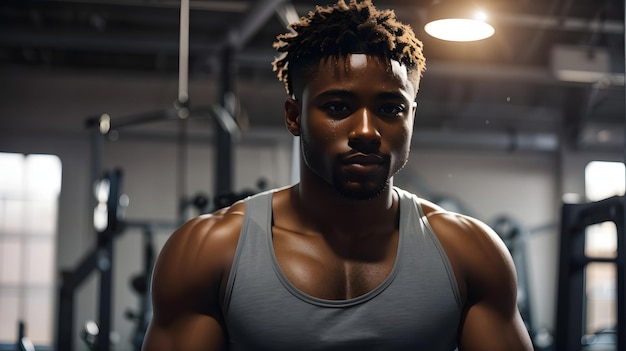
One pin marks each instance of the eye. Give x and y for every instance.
(336, 108)
(391, 109)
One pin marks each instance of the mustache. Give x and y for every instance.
(354, 156)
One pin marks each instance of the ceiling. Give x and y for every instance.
(505, 91)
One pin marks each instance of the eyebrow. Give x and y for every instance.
(341, 93)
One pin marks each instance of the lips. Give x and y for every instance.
(362, 163)
(363, 159)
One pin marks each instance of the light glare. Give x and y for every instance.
(480, 16)
(101, 190)
(459, 29)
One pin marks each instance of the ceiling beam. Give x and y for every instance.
(559, 23)
(252, 21)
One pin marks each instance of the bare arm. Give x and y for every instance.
(492, 320)
(187, 282)
(486, 273)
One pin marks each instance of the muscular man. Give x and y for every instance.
(343, 260)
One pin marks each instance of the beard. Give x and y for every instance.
(351, 185)
(361, 194)
(360, 188)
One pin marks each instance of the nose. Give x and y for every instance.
(364, 135)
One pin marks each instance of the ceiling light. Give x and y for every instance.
(458, 22)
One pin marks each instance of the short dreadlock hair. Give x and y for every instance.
(342, 29)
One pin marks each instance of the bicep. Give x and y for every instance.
(486, 328)
(492, 320)
(186, 333)
(185, 290)
(184, 318)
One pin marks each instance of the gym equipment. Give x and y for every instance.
(515, 239)
(602, 340)
(227, 130)
(141, 285)
(227, 199)
(109, 225)
(23, 343)
(570, 308)
(90, 333)
(223, 115)
(572, 262)
(192, 206)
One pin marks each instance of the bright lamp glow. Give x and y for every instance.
(480, 16)
(461, 29)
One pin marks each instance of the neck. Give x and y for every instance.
(326, 210)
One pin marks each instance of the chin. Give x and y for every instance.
(361, 193)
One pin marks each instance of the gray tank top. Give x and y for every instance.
(416, 308)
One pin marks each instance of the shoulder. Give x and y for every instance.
(477, 253)
(486, 278)
(210, 233)
(463, 229)
(196, 256)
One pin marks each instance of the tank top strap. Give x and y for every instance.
(260, 206)
(258, 210)
(421, 231)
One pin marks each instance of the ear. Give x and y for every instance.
(293, 113)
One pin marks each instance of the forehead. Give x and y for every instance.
(352, 62)
(358, 67)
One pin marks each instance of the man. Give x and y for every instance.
(342, 260)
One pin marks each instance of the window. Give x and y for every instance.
(29, 191)
(602, 180)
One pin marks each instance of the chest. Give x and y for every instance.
(332, 269)
(404, 303)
